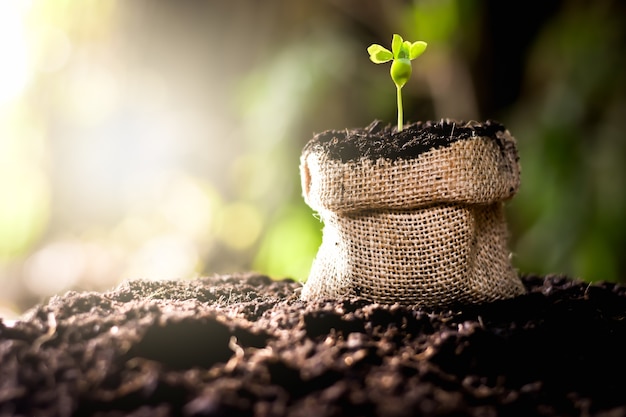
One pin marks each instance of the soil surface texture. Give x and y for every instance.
(384, 141)
(244, 345)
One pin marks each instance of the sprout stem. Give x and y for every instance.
(401, 54)
(400, 116)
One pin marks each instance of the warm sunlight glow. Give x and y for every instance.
(14, 71)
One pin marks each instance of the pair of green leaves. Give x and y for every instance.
(402, 53)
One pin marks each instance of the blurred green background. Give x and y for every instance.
(161, 139)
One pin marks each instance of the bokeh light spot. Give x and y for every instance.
(14, 74)
(240, 225)
(164, 257)
(288, 248)
(24, 208)
(189, 206)
(52, 49)
(54, 268)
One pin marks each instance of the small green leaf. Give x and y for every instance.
(396, 45)
(407, 45)
(417, 49)
(405, 50)
(379, 54)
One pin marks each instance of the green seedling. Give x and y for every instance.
(402, 53)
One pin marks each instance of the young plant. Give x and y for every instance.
(402, 53)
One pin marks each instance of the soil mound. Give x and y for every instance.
(246, 345)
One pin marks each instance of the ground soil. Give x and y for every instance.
(384, 141)
(245, 345)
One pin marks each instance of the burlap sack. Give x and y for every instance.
(427, 229)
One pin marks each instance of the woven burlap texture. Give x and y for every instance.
(428, 231)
